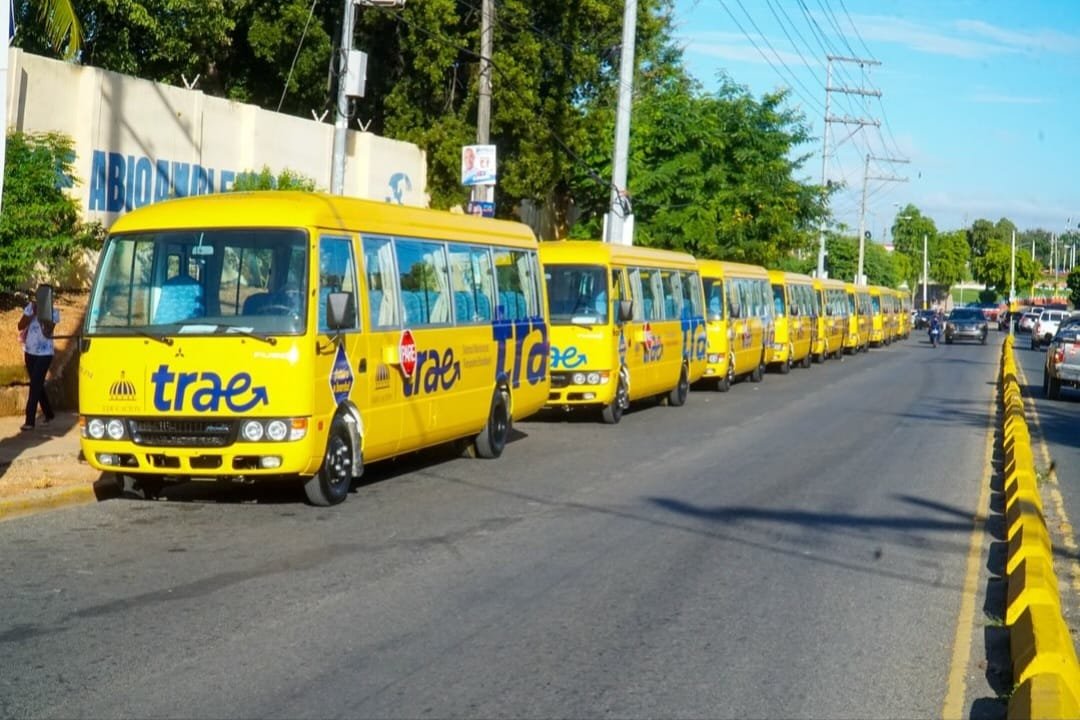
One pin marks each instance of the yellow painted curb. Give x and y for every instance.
(1024, 498)
(46, 499)
(1040, 643)
(1032, 582)
(1030, 539)
(1022, 513)
(1043, 696)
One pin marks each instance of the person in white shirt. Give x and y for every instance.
(38, 355)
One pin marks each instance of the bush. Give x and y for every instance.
(266, 180)
(40, 230)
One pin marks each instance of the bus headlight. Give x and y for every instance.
(579, 378)
(276, 430)
(714, 358)
(96, 428)
(594, 378)
(115, 429)
(252, 430)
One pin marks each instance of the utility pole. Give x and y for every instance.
(925, 271)
(859, 279)
(5, 30)
(830, 119)
(1012, 277)
(352, 70)
(484, 193)
(620, 201)
(341, 109)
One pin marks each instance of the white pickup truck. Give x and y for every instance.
(1045, 326)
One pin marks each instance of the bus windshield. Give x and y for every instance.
(577, 294)
(201, 282)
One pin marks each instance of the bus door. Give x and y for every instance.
(379, 391)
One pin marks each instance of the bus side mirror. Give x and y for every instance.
(337, 310)
(626, 310)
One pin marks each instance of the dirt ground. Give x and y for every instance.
(71, 305)
(41, 475)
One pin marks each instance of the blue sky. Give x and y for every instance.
(981, 96)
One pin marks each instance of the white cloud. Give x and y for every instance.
(1037, 41)
(734, 46)
(927, 39)
(999, 99)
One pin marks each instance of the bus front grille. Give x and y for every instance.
(180, 432)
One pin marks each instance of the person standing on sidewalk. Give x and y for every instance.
(38, 351)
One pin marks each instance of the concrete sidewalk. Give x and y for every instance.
(58, 439)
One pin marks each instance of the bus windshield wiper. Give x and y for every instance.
(154, 336)
(248, 333)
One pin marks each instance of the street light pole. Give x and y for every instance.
(925, 271)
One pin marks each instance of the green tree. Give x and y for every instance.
(949, 258)
(994, 269)
(909, 228)
(1073, 283)
(40, 232)
(842, 256)
(50, 26)
(266, 180)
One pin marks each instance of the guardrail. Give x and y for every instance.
(1044, 662)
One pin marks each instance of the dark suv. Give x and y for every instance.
(966, 324)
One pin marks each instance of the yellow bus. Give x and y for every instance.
(833, 325)
(302, 335)
(794, 320)
(859, 318)
(905, 313)
(890, 300)
(738, 302)
(879, 327)
(626, 323)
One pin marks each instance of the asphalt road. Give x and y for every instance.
(791, 549)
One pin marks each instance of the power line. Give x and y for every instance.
(856, 29)
(808, 101)
(836, 26)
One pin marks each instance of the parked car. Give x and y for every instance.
(1046, 326)
(1026, 321)
(1062, 360)
(989, 310)
(966, 324)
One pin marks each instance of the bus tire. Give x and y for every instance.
(612, 412)
(492, 439)
(677, 396)
(331, 484)
(805, 363)
(758, 373)
(724, 384)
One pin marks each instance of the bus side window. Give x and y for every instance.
(337, 273)
(384, 307)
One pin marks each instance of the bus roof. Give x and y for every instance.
(591, 251)
(724, 268)
(295, 209)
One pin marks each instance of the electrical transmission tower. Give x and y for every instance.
(831, 119)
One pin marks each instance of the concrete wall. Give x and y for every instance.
(139, 142)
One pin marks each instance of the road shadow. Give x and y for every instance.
(285, 490)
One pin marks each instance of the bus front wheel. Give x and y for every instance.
(677, 396)
(331, 484)
(492, 439)
(612, 413)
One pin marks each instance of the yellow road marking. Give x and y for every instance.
(956, 690)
